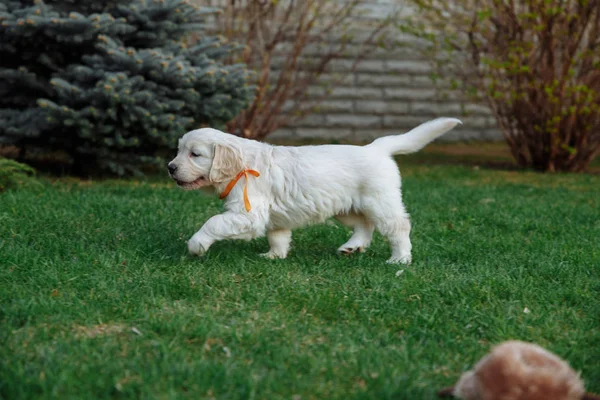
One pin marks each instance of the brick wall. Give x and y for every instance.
(390, 92)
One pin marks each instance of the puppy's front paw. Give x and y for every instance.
(195, 247)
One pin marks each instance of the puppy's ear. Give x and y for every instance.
(227, 163)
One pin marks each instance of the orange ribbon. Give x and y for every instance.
(235, 180)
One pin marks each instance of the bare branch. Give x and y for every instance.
(278, 36)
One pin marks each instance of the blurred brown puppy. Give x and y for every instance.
(519, 371)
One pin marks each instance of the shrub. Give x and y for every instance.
(536, 63)
(112, 83)
(14, 174)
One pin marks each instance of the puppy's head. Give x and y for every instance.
(205, 157)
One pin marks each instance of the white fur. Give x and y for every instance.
(360, 186)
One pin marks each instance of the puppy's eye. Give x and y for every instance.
(195, 155)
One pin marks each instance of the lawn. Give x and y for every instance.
(98, 297)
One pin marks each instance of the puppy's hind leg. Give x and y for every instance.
(361, 236)
(392, 221)
(279, 240)
(399, 239)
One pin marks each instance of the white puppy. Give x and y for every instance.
(297, 186)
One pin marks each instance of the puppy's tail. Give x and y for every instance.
(415, 139)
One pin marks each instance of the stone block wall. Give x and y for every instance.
(389, 93)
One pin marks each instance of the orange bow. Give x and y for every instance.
(235, 180)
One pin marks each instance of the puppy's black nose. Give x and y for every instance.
(172, 168)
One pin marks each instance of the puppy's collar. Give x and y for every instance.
(235, 180)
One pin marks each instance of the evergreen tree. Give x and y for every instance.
(112, 83)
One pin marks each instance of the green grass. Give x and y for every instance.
(84, 266)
